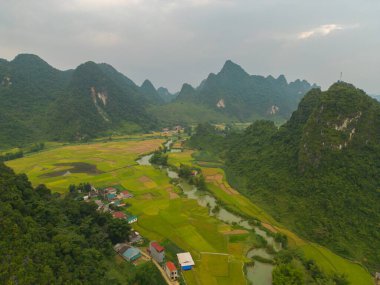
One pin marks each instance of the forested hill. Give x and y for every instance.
(46, 239)
(237, 94)
(41, 103)
(317, 174)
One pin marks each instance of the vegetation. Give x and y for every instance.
(293, 268)
(159, 158)
(235, 94)
(49, 239)
(43, 103)
(316, 174)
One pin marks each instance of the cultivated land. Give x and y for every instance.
(164, 214)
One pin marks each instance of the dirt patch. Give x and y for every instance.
(235, 232)
(147, 196)
(217, 179)
(144, 179)
(269, 227)
(74, 167)
(172, 194)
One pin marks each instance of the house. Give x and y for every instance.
(131, 219)
(134, 237)
(118, 203)
(93, 192)
(171, 270)
(119, 215)
(121, 248)
(131, 254)
(111, 197)
(110, 190)
(185, 260)
(157, 251)
(377, 278)
(126, 195)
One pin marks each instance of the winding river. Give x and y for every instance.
(258, 274)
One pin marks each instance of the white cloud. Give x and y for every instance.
(323, 30)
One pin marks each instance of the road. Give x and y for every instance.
(163, 273)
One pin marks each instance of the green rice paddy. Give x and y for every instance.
(166, 215)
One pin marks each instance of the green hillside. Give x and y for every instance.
(317, 174)
(41, 103)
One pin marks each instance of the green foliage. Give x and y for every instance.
(317, 173)
(49, 239)
(43, 103)
(293, 268)
(159, 158)
(148, 274)
(235, 94)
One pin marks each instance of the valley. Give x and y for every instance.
(179, 217)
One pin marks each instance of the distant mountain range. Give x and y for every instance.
(235, 95)
(41, 103)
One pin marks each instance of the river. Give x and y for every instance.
(258, 274)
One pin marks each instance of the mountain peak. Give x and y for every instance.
(233, 70)
(29, 60)
(148, 85)
(282, 79)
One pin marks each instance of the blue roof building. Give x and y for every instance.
(131, 219)
(131, 254)
(111, 196)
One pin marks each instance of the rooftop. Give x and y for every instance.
(157, 247)
(119, 215)
(170, 265)
(185, 259)
(130, 252)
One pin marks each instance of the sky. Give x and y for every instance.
(172, 42)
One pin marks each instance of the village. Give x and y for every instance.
(114, 200)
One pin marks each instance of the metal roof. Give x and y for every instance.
(185, 259)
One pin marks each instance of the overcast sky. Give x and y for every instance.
(176, 41)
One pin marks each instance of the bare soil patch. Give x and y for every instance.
(235, 232)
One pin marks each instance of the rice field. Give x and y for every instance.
(164, 214)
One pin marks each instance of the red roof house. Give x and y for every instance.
(119, 215)
(171, 270)
(157, 251)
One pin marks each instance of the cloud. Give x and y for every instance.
(320, 31)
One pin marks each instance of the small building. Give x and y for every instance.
(131, 219)
(132, 254)
(377, 278)
(121, 248)
(157, 251)
(99, 203)
(171, 270)
(126, 195)
(119, 215)
(93, 192)
(135, 237)
(111, 197)
(185, 260)
(110, 190)
(117, 203)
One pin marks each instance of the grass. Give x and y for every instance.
(326, 260)
(181, 221)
